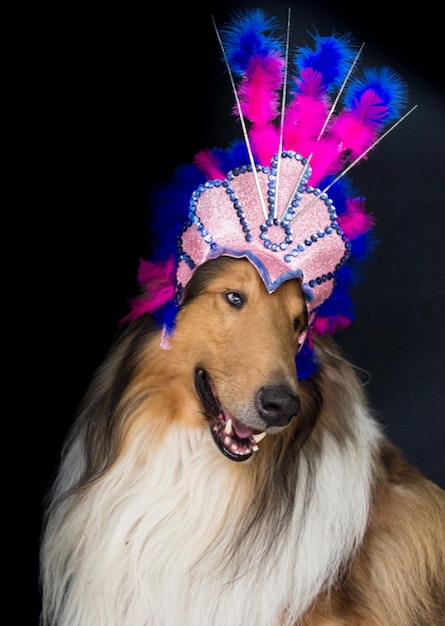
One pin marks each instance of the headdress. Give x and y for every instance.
(280, 196)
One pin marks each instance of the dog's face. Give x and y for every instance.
(241, 342)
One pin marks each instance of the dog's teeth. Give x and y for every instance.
(255, 448)
(257, 438)
(227, 440)
(228, 428)
(234, 447)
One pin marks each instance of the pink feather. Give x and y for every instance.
(258, 92)
(357, 128)
(208, 164)
(311, 83)
(326, 160)
(303, 122)
(370, 109)
(355, 221)
(352, 135)
(328, 325)
(265, 142)
(157, 278)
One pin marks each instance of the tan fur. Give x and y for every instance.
(391, 573)
(398, 575)
(257, 360)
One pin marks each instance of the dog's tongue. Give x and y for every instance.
(243, 432)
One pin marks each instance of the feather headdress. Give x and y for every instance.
(280, 196)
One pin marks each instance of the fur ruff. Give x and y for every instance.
(149, 524)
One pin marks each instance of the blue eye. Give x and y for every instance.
(234, 299)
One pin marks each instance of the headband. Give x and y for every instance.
(280, 196)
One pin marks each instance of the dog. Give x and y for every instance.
(206, 484)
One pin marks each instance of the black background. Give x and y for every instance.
(114, 100)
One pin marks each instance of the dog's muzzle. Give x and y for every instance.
(276, 406)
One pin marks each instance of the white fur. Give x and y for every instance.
(154, 533)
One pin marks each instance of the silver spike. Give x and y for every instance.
(243, 124)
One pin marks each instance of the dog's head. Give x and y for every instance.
(240, 342)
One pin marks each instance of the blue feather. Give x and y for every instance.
(234, 156)
(391, 89)
(339, 192)
(331, 56)
(166, 316)
(362, 247)
(169, 206)
(306, 362)
(246, 36)
(339, 302)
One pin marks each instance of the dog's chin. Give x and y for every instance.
(236, 441)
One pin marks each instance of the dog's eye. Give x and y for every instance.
(298, 325)
(234, 298)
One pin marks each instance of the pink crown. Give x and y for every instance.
(271, 217)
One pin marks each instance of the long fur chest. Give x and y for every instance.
(177, 534)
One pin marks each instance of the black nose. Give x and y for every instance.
(277, 405)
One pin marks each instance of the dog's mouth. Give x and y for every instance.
(235, 440)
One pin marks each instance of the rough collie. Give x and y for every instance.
(205, 485)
